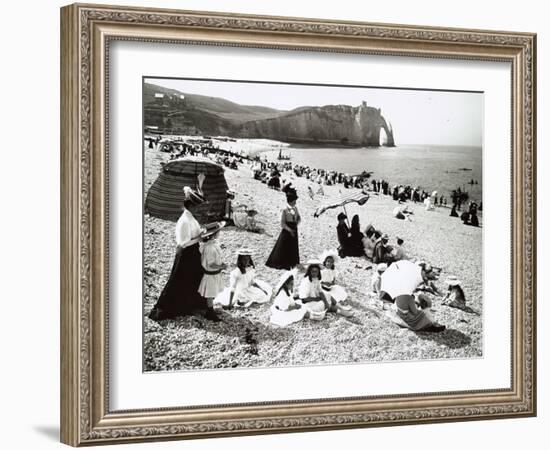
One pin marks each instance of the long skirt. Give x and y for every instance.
(285, 254)
(180, 296)
(415, 322)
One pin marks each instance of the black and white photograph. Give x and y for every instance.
(300, 224)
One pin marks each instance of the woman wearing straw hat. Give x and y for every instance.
(285, 310)
(244, 288)
(180, 294)
(285, 253)
(211, 260)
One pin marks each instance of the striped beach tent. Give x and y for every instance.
(360, 198)
(165, 197)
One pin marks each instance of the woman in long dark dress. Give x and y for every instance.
(286, 254)
(356, 238)
(180, 294)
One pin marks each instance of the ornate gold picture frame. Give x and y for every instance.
(86, 34)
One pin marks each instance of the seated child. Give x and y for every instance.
(285, 310)
(244, 288)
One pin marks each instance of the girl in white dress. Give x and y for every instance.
(285, 310)
(329, 276)
(315, 298)
(311, 294)
(211, 260)
(244, 288)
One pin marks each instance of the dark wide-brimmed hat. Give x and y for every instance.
(291, 195)
(193, 195)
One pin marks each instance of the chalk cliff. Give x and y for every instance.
(338, 124)
(175, 112)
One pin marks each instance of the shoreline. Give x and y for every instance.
(380, 162)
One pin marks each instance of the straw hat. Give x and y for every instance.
(284, 278)
(244, 251)
(212, 228)
(332, 253)
(313, 262)
(452, 281)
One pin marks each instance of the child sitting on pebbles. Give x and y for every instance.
(244, 288)
(285, 310)
(455, 295)
(329, 276)
(314, 297)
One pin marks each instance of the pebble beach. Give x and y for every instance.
(245, 337)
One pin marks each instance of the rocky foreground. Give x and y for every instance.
(245, 338)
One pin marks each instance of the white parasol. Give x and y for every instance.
(401, 278)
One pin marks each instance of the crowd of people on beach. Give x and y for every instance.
(197, 282)
(270, 173)
(371, 244)
(179, 148)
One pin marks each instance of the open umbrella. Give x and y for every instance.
(401, 278)
(359, 197)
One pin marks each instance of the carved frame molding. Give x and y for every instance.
(86, 31)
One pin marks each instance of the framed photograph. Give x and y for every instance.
(276, 224)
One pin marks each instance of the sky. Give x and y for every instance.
(417, 116)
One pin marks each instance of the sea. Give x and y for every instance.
(431, 167)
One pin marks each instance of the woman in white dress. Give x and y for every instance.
(285, 310)
(180, 295)
(244, 288)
